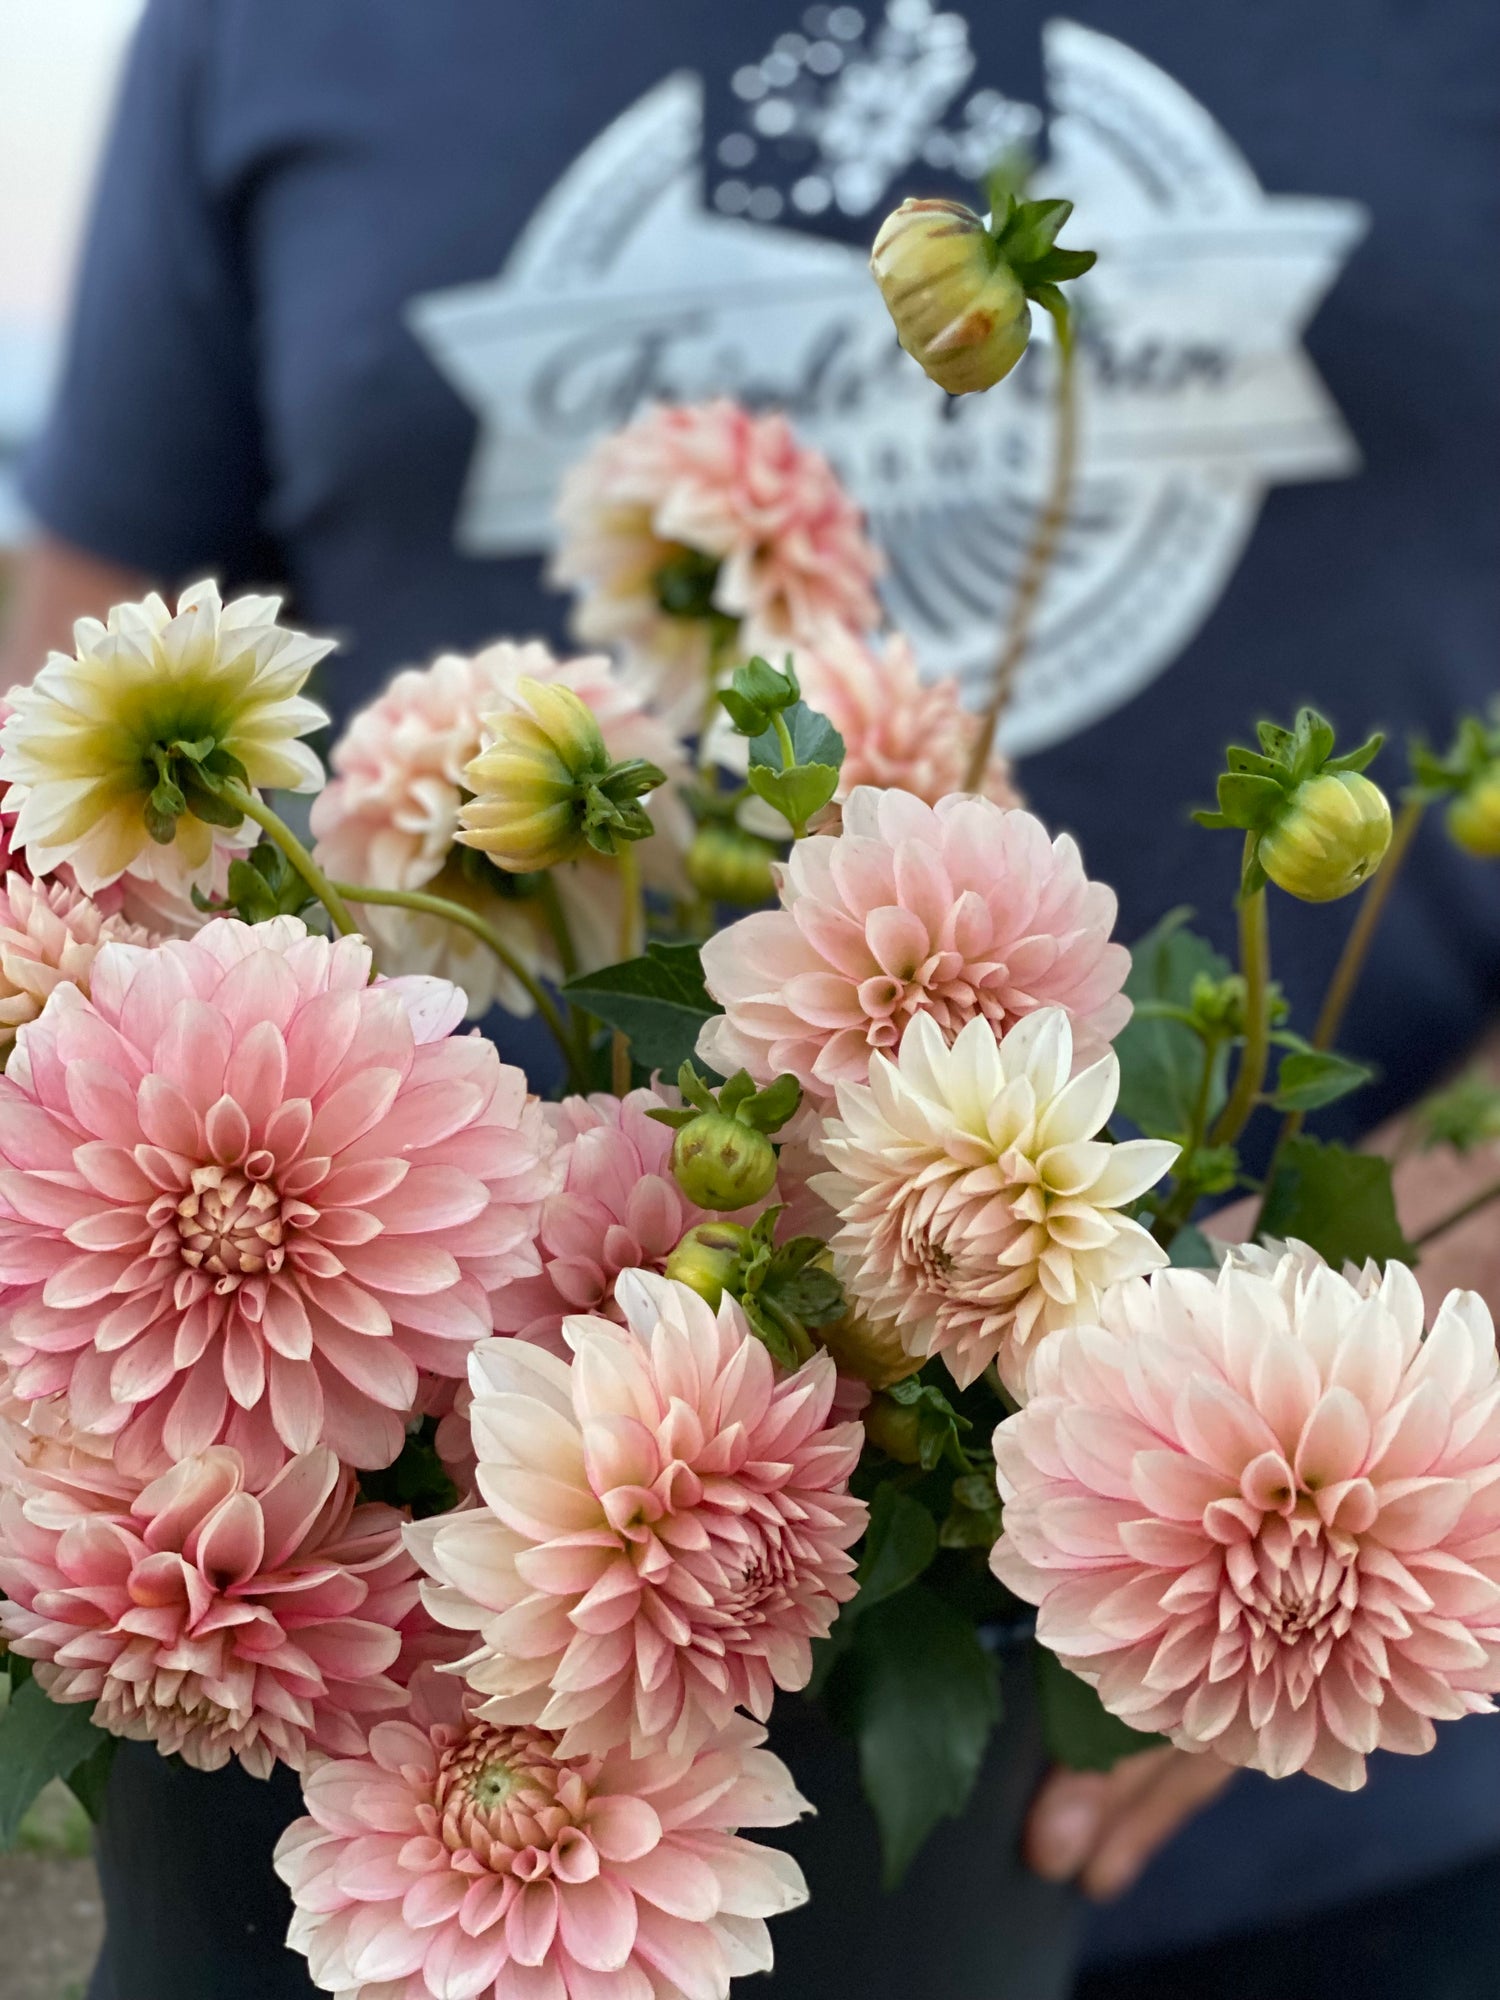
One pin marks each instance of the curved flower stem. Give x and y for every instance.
(1457, 1215)
(1255, 965)
(632, 940)
(1050, 524)
(276, 829)
(1352, 962)
(455, 913)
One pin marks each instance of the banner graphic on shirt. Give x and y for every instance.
(650, 273)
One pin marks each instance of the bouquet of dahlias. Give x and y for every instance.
(497, 1457)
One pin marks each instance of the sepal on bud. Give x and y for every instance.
(1318, 827)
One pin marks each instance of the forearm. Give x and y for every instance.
(52, 584)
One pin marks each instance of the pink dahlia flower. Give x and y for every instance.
(723, 513)
(208, 1613)
(1263, 1515)
(665, 1529)
(469, 1859)
(618, 1208)
(958, 910)
(897, 728)
(49, 933)
(244, 1192)
(390, 816)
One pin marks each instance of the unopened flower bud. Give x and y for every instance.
(721, 1163)
(545, 787)
(960, 310)
(1330, 837)
(896, 1428)
(729, 865)
(870, 1349)
(1474, 816)
(708, 1257)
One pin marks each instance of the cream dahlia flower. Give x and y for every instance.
(49, 933)
(665, 1530)
(211, 1613)
(389, 818)
(954, 911)
(245, 1195)
(466, 1859)
(1262, 1515)
(978, 1211)
(77, 749)
(706, 526)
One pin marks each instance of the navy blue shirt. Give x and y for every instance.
(363, 276)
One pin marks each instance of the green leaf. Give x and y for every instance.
(1078, 1729)
(418, 1480)
(659, 1001)
(797, 795)
(1161, 1060)
(87, 1781)
(1192, 1251)
(1309, 1079)
(918, 1693)
(814, 741)
(39, 1740)
(1341, 1203)
(899, 1543)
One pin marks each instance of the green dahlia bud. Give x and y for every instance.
(960, 310)
(721, 1163)
(1330, 837)
(708, 1257)
(1474, 816)
(896, 1428)
(730, 866)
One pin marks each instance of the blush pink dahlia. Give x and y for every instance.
(955, 911)
(700, 521)
(897, 728)
(665, 1529)
(978, 1209)
(618, 1208)
(389, 818)
(209, 1614)
(49, 933)
(466, 1859)
(243, 1191)
(1263, 1515)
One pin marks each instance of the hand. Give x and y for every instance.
(1100, 1828)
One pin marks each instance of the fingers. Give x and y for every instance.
(1103, 1828)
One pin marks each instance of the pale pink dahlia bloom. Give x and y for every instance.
(49, 933)
(978, 1209)
(465, 1859)
(952, 911)
(897, 728)
(389, 818)
(665, 1529)
(618, 1208)
(11, 857)
(784, 548)
(208, 1613)
(243, 1192)
(1262, 1515)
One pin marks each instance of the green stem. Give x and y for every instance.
(1351, 963)
(1455, 1216)
(1179, 1209)
(556, 916)
(788, 763)
(1255, 965)
(1039, 557)
(456, 913)
(276, 828)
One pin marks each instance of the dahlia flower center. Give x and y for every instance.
(231, 1226)
(1292, 1584)
(501, 1795)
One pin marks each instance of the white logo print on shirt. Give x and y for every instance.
(650, 274)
